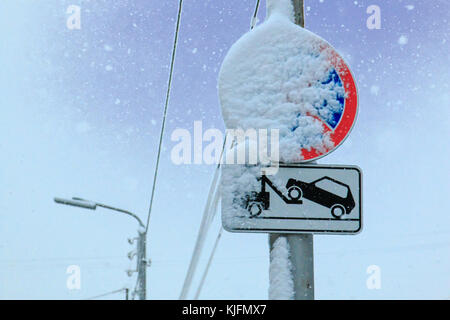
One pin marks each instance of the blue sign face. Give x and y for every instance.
(330, 104)
(333, 113)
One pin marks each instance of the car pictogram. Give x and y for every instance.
(339, 205)
(256, 202)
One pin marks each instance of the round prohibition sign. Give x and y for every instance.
(341, 75)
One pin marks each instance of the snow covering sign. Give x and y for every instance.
(281, 76)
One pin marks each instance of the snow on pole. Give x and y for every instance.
(284, 8)
(282, 76)
(281, 286)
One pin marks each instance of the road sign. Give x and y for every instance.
(292, 74)
(301, 199)
(341, 122)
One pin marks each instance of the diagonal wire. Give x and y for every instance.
(106, 294)
(208, 214)
(211, 257)
(255, 15)
(169, 84)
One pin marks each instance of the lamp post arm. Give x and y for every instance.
(115, 209)
(123, 211)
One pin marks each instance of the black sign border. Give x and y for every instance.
(296, 231)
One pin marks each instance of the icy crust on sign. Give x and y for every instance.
(279, 76)
(237, 183)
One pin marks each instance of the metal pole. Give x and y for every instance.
(301, 246)
(299, 12)
(141, 266)
(141, 252)
(302, 261)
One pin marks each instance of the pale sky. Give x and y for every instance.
(80, 116)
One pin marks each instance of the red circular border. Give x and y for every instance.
(350, 108)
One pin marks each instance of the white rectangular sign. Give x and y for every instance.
(304, 199)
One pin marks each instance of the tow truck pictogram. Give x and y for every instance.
(256, 202)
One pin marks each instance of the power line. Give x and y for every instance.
(211, 257)
(169, 84)
(209, 213)
(107, 294)
(255, 15)
(208, 216)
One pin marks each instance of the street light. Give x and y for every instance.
(77, 203)
(141, 267)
